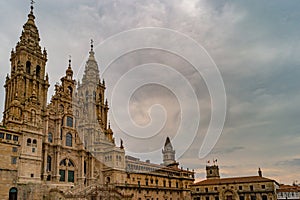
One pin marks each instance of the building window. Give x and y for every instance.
(34, 142)
(216, 198)
(14, 149)
(242, 198)
(264, 197)
(206, 189)
(170, 184)
(263, 186)
(71, 176)
(2, 135)
(215, 188)
(49, 161)
(69, 139)
(38, 71)
(28, 64)
(251, 187)
(15, 138)
(66, 170)
(229, 197)
(164, 183)
(50, 137)
(62, 174)
(31, 175)
(13, 160)
(28, 142)
(8, 136)
(253, 197)
(240, 187)
(33, 150)
(206, 198)
(146, 182)
(13, 194)
(70, 91)
(69, 121)
(176, 184)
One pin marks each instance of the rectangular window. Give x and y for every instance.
(242, 198)
(263, 187)
(14, 149)
(8, 136)
(253, 197)
(2, 135)
(240, 187)
(251, 187)
(216, 198)
(206, 198)
(13, 160)
(216, 188)
(15, 138)
(71, 176)
(62, 174)
(206, 189)
(69, 121)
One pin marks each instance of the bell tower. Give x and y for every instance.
(168, 153)
(26, 99)
(212, 172)
(91, 92)
(27, 86)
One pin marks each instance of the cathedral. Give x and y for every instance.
(65, 148)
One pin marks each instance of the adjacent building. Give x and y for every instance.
(291, 192)
(235, 188)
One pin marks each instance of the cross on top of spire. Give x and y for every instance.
(92, 44)
(31, 3)
(70, 57)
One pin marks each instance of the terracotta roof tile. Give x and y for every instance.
(248, 179)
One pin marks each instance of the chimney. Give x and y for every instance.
(259, 172)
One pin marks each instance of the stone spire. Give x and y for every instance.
(30, 35)
(91, 72)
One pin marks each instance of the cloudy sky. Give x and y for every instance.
(254, 44)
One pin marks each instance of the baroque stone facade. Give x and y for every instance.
(66, 149)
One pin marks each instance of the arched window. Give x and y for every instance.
(50, 137)
(61, 108)
(100, 97)
(49, 161)
(28, 142)
(107, 180)
(28, 65)
(13, 193)
(69, 121)
(66, 171)
(70, 91)
(86, 95)
(69, 139)
(38, 71)
(34, 142)
(32, 116)
(94, 96)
